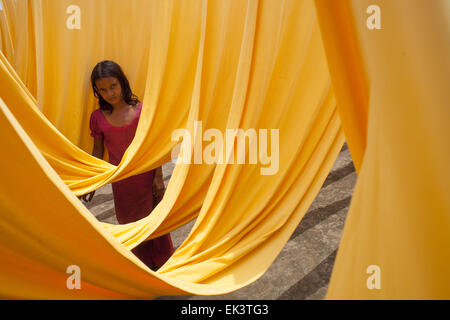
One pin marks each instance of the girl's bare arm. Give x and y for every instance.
(99, 148)
(98, 152)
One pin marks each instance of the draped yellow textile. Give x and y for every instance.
(399, 219)
(240, 65)
(229, 64)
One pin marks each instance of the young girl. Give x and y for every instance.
(114, 126)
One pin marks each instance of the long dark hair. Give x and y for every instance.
(108, 68)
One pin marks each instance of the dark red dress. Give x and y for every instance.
(133, 196)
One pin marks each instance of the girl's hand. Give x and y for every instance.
(88, 197)
(158, 188)
(158, 185)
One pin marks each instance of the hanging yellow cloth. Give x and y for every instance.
(396, 239)
(251, 65)
(240, 64)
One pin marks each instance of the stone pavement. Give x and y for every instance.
(303, 268)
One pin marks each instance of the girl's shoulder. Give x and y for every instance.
(138, 109)
(96, 119)
(96, 124)
(139, 106)
(97, 114)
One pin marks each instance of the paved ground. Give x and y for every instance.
(303, 268)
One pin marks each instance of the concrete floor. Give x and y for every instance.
(303, 268)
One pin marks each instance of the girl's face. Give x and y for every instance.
(110, 89)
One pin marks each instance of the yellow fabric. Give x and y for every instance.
(399, 218)
(18, 40)
(347, 71)
(238, 64)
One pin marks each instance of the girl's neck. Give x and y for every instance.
(119, 106)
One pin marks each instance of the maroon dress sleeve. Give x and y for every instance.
(96, 132)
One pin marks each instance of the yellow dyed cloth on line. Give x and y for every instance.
(399, 217)
(252, 64)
